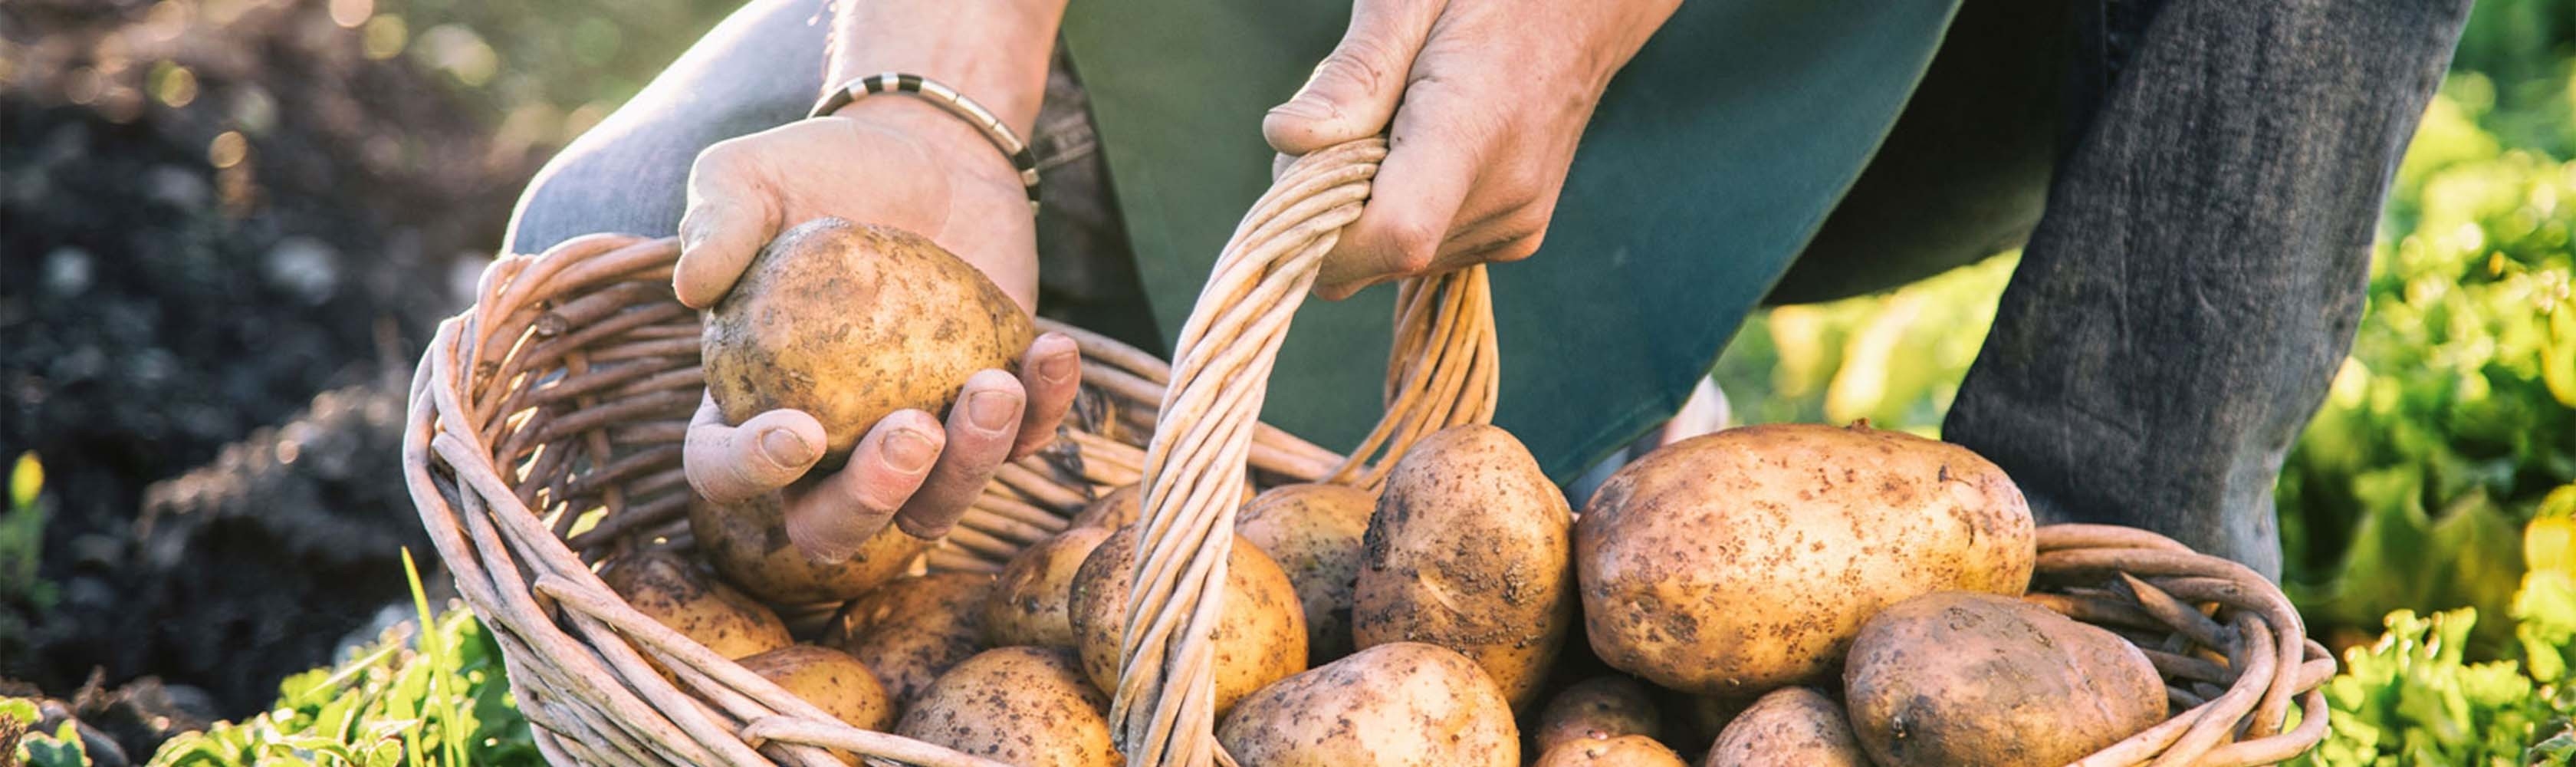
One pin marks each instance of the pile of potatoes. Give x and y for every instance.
(1768, 595)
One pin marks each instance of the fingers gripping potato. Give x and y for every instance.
(748, 544)
(849, 323)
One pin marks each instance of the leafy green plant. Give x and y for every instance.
(440, 699)
(2413, 698)
(2456, 412)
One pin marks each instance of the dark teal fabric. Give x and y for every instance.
(1711, 162)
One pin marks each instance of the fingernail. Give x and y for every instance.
(908, 451)
(991, 410)
(784, 448)
(1059, 367)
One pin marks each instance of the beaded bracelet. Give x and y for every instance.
(948, 99)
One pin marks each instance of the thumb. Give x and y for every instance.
(732, 214)
(1354, 91)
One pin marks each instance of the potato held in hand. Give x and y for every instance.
(1400, 703)
(1957, 678)
(1741, 561)
(1468, 551)
(852, 322)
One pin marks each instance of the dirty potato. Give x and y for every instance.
(1260, 635)
(912, 629)
(1960, 678)
(831, 680)
(1398, 703)
(747, 542)
(1597, 708)
(1791, 727)
(852, 322)
(1314, 532)
(1112, 510)
(1745, 560)
(668, 588)
(1621, 751)
(1022, 706)
(1468, 550)
(1029, 602)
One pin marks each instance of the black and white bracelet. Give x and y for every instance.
(945, 98)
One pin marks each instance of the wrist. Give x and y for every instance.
(946, 139)
(993, 51)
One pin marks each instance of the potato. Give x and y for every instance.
(1468, 551)
(1745, 560)
(1314, 531)
(1023, 706)
(1621, 751)
(747, 542)
(911, 630)
(1600, 707)
(1399, 703)
(1030, 603)
(1791, 727)
(852, 322)
(831, 680)
(1960, 678)
(666, 587)
(1114, 509)
(1260, 636)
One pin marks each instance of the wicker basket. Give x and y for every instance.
(545, 434)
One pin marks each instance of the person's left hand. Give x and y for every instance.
(1483, 101)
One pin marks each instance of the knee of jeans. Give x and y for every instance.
(598, 188)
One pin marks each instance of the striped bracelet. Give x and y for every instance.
(945, 98)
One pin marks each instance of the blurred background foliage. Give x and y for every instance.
(2456, 413)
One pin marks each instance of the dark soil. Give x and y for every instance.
(159, 313)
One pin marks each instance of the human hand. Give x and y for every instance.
(1483, 101)
(899, 163)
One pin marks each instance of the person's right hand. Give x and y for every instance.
(896, 162)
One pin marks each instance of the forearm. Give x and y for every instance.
(993, 51)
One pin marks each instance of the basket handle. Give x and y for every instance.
(1442, 371)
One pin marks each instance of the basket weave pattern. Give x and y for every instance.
(545, 431)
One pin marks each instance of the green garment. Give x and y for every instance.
(1713, 159)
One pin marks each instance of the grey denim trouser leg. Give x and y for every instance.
(2201, 265)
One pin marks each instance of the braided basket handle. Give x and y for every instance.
(1442, 371)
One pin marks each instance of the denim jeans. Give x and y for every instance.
(2198, 230)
